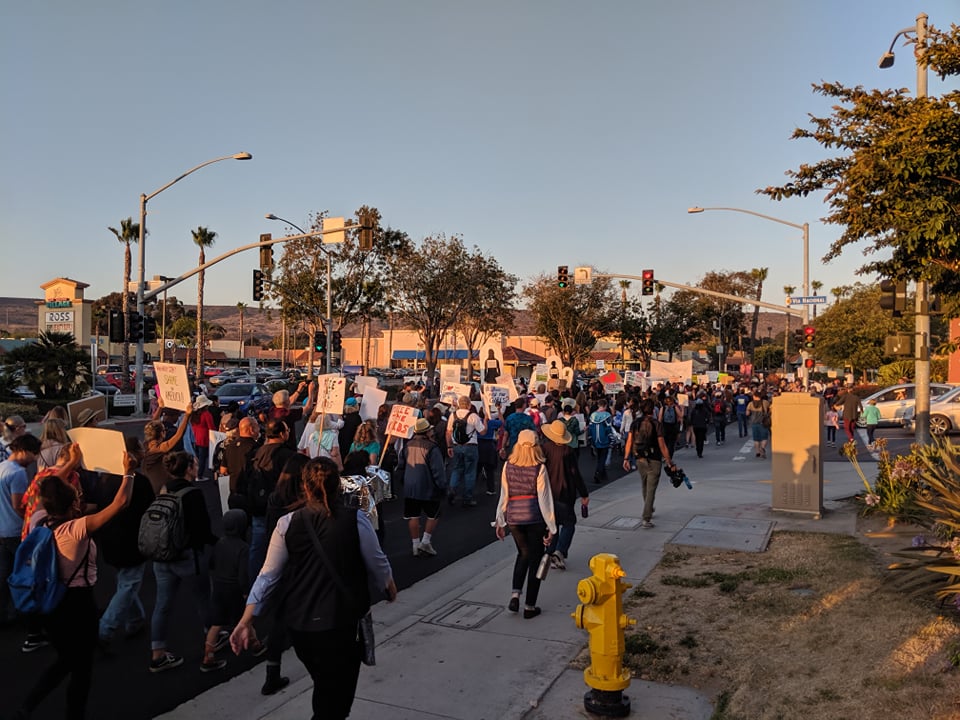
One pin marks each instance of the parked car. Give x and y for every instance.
(251, 397)
(24, 393)
(944, 413)
(231, 375)
(103, 387)
(896, 403)
(115, 379)
(210, 371)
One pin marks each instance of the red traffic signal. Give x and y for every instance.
(646, 278)
(809, 338)
(809, 363)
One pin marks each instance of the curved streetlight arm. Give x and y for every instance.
(695, 210)
(235, 156)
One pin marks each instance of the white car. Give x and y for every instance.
(944, 413)
(896, 403)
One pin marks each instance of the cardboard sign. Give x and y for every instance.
(373, 398)
(508, 382)
(539, 376)
(491, 362)
(331, 394)
(612, 383)
(95, 403)
(102, 449)
(566, 377)
(401, 421)
(450, 392)
(600, 364)
(682, 399)
(173, 385)
(634, 378)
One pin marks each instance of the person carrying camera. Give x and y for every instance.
(646, 444)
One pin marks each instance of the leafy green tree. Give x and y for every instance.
(728, 315)
(202, 238)
(53, 367)
(490, 310)
(768, 357)
(674, 323)
(894, 184)
(436, 288)
(129, 232)
(571, 319)
(852, 332)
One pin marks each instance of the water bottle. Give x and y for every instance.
(544, 567)
(584, 510)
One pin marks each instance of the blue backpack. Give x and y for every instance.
(600, 434)
(35, 585)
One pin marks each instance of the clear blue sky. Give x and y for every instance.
(545, 133)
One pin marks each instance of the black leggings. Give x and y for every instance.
(72, 630)
(530, 549)
(332, 657)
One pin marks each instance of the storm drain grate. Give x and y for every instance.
(464, 615)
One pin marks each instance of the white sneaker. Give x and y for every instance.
(557, 560)
(416, 549)
(426, 548)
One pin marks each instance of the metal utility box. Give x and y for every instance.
(797, 466)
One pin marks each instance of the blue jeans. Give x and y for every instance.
(169, 577)
(741, 425)
(567, 526)
(465, 467)
(8, 549)
(125, 609)
(258, 545)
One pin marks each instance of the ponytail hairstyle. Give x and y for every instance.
(321, 485)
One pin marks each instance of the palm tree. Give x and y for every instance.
(241, 306)
(129, 233)
(816, 285)
(758, 274)
(624, 284)
(838, 293)
(787, 290)
(202, 238)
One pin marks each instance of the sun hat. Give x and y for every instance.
(527, 437)
(202, 402)
(557, 431)
(534, 402)
(421, 426)
(568, 403)
(88, 415)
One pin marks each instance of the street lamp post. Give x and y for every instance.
(805, 227)
(163, 318)
(328, 320)
(921, 373)
(144, 199)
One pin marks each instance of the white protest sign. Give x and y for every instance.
(600, 365)
(682, 399)
(331, 394)
(173, 384)
(507, 382)
(373, 398)
(496, 396)
(216, 437)
(365, 381)
(102, 449)
(401, 421)
(612, 384)
(539, 375)
(634, 378)
(449, 374)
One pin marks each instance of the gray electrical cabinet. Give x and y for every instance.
(796, 443)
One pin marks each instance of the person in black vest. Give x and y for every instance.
(646, 444)
(321, 616)
(259, 479)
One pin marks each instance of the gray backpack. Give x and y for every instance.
(163, 530)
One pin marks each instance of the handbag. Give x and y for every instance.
(365, 624)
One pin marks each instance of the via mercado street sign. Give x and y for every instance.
(806, 299)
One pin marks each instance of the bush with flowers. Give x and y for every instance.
(894, 492)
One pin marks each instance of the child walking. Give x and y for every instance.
(831, 421)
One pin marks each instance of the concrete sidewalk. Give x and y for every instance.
(448, 647)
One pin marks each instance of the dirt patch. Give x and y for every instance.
(807, 629)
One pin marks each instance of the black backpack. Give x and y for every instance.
(461, 430)
(643, 437)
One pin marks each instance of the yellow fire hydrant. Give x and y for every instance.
(601, 614)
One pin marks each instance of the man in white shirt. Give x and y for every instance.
(463, 426)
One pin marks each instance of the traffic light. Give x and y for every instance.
(367, 224)
(798, 338)
(115, 330)
(809, 338)
(320, 341)
(809, 363)
(336, 341)
(647, 281)
(266, 255)
(893, 296)
(149, 329)
(258, 285)
(563, 276)
(135, 326)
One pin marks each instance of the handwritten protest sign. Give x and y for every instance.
(507, 382)
(173, 385)
(331, 394)
(401, 421)
(102, 449)
(495, 397)
(612, 383)
(634, 378)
